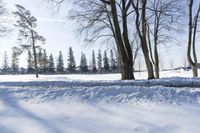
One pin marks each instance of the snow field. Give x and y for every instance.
(92, 104)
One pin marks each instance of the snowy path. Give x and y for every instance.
(57, 106)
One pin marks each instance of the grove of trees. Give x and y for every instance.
(133, 26)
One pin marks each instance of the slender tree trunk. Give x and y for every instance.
(142, 34)
(34, 54)
(192, 39)
(156, 65)
(144, 42)
(147, 59)
(195, 68)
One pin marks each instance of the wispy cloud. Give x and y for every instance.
(39, 19)
(51, 20)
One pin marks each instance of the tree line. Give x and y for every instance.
(99, 64)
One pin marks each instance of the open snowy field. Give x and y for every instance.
(100, 104)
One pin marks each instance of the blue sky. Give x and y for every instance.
(60, 34)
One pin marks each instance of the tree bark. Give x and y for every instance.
(192, 39)
(34, 54)
(123, 44)
(142, 34)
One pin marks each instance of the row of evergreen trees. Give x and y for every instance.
(46, 64)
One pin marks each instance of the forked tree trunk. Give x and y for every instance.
(142, 34)
(125, 54)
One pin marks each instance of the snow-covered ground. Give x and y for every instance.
(99, 104)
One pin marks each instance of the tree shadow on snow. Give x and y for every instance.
(11, 104)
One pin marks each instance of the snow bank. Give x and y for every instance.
(62, 105)
(167, 90)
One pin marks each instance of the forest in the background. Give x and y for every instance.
(103, 62)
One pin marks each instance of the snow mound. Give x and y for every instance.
(167, 91)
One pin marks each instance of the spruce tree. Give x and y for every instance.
(106, 66)
(15, 63)
(40, 61)
(60, 64)
(113, 62)
(5, 66)
(99, 61)
(83, 64)
(51, 65)
(71, 66)
(93, 65)
(30, 66)
(45, 62)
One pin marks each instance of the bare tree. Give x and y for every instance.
(139, 64)
(164, 15)
(135, 48)
(171, 62)
(106, 20)
(141, 27)
(191, 50)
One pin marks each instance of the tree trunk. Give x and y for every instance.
(156, 65)
(142, 35)
(144, 42)
(34, 54)
(126, 56)
(195, 71)
(127, 70)
(147, 59)
(192, 39)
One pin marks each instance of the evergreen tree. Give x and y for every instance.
(30, 68)
(60, 64)
(93, 65)
(51, 66)
(83, 64)
(44, 62)
(15, 63)
(71, 66)
(40, 61)
(113, 62)
(27, 25)
(99, 61)
(106, 66)
(5, 66)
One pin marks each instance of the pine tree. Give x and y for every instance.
(60, 64)
(40, 61)
(99, 61)
(27, 25)
(51, 66)
(30, 68)
(5, 66)
(71, 66)
(45, 62)
(106, 66)
(93, 65)
(83, 64)
(15, 63)
(113, 62)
